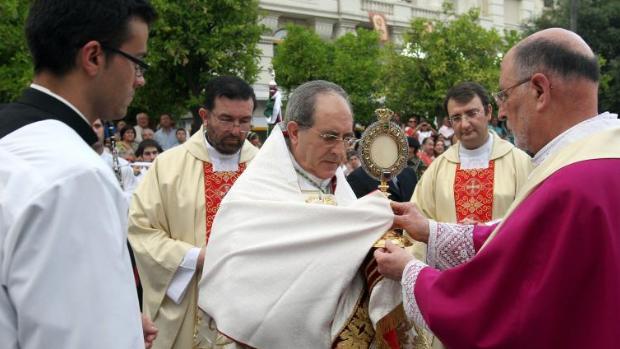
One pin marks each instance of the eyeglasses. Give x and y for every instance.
(469, 114)
(332, 139)
(502, 96)
(228, 124)
(140, 65)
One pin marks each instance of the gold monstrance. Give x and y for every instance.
(383, 153)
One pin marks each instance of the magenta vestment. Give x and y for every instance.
(549, 279)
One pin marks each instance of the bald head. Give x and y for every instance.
(549, 83)
(555, 51)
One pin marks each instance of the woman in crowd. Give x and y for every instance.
(427, 153)
(127, 145)
(439, 147)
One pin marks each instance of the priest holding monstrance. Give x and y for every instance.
(288, 262)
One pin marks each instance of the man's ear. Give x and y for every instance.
(203, 115)
(292, 128)
(489, 112)
(91, 58)
(542, 89)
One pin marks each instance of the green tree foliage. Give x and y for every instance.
(598, 22)
(439, 54)
(301, 57)
(15, 62)
(352, 61)
(356, 67)
(193, 41)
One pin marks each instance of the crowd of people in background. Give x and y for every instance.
(426, 141)
(138, 145)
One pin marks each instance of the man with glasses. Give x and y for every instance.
(477, 179)
(65, 273)
(548, 275)
(172, 210)
(286, 264)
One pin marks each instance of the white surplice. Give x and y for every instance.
(65, 274)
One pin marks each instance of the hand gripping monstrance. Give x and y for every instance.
(383, 153)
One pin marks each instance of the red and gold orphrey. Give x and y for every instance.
(473, 193)
(217, 185)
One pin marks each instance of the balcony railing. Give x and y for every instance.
(417, 12)
(377, 6)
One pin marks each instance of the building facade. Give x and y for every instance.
(331, 19)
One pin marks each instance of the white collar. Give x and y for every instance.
(222, 162)
(575, 133)
(476, 158)
(48, 92)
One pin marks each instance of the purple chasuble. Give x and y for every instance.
(549, 279)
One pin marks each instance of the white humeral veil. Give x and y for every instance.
(283, 273)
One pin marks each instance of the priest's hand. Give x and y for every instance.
(392, 260)
(408, 217)
(149, 330)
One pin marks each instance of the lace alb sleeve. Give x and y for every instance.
(449, 245)
(410, 275)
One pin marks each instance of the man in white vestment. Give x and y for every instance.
(173, 208)
(65, 274)
(476, 179)
(288, 262)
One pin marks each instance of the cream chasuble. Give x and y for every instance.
(282, 270)
(434, 194)
(167, 218)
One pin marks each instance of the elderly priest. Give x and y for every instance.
(288, 263)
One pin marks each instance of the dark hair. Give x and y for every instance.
(57, 29)
(181, 129)
(351, 153)
(230, 87)
(465, 92)
(425, 140)
(413, 143)
(125, 129)
(542, 54)
(147, 143)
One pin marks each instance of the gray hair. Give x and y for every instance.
(543, 54)
(301, 103)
